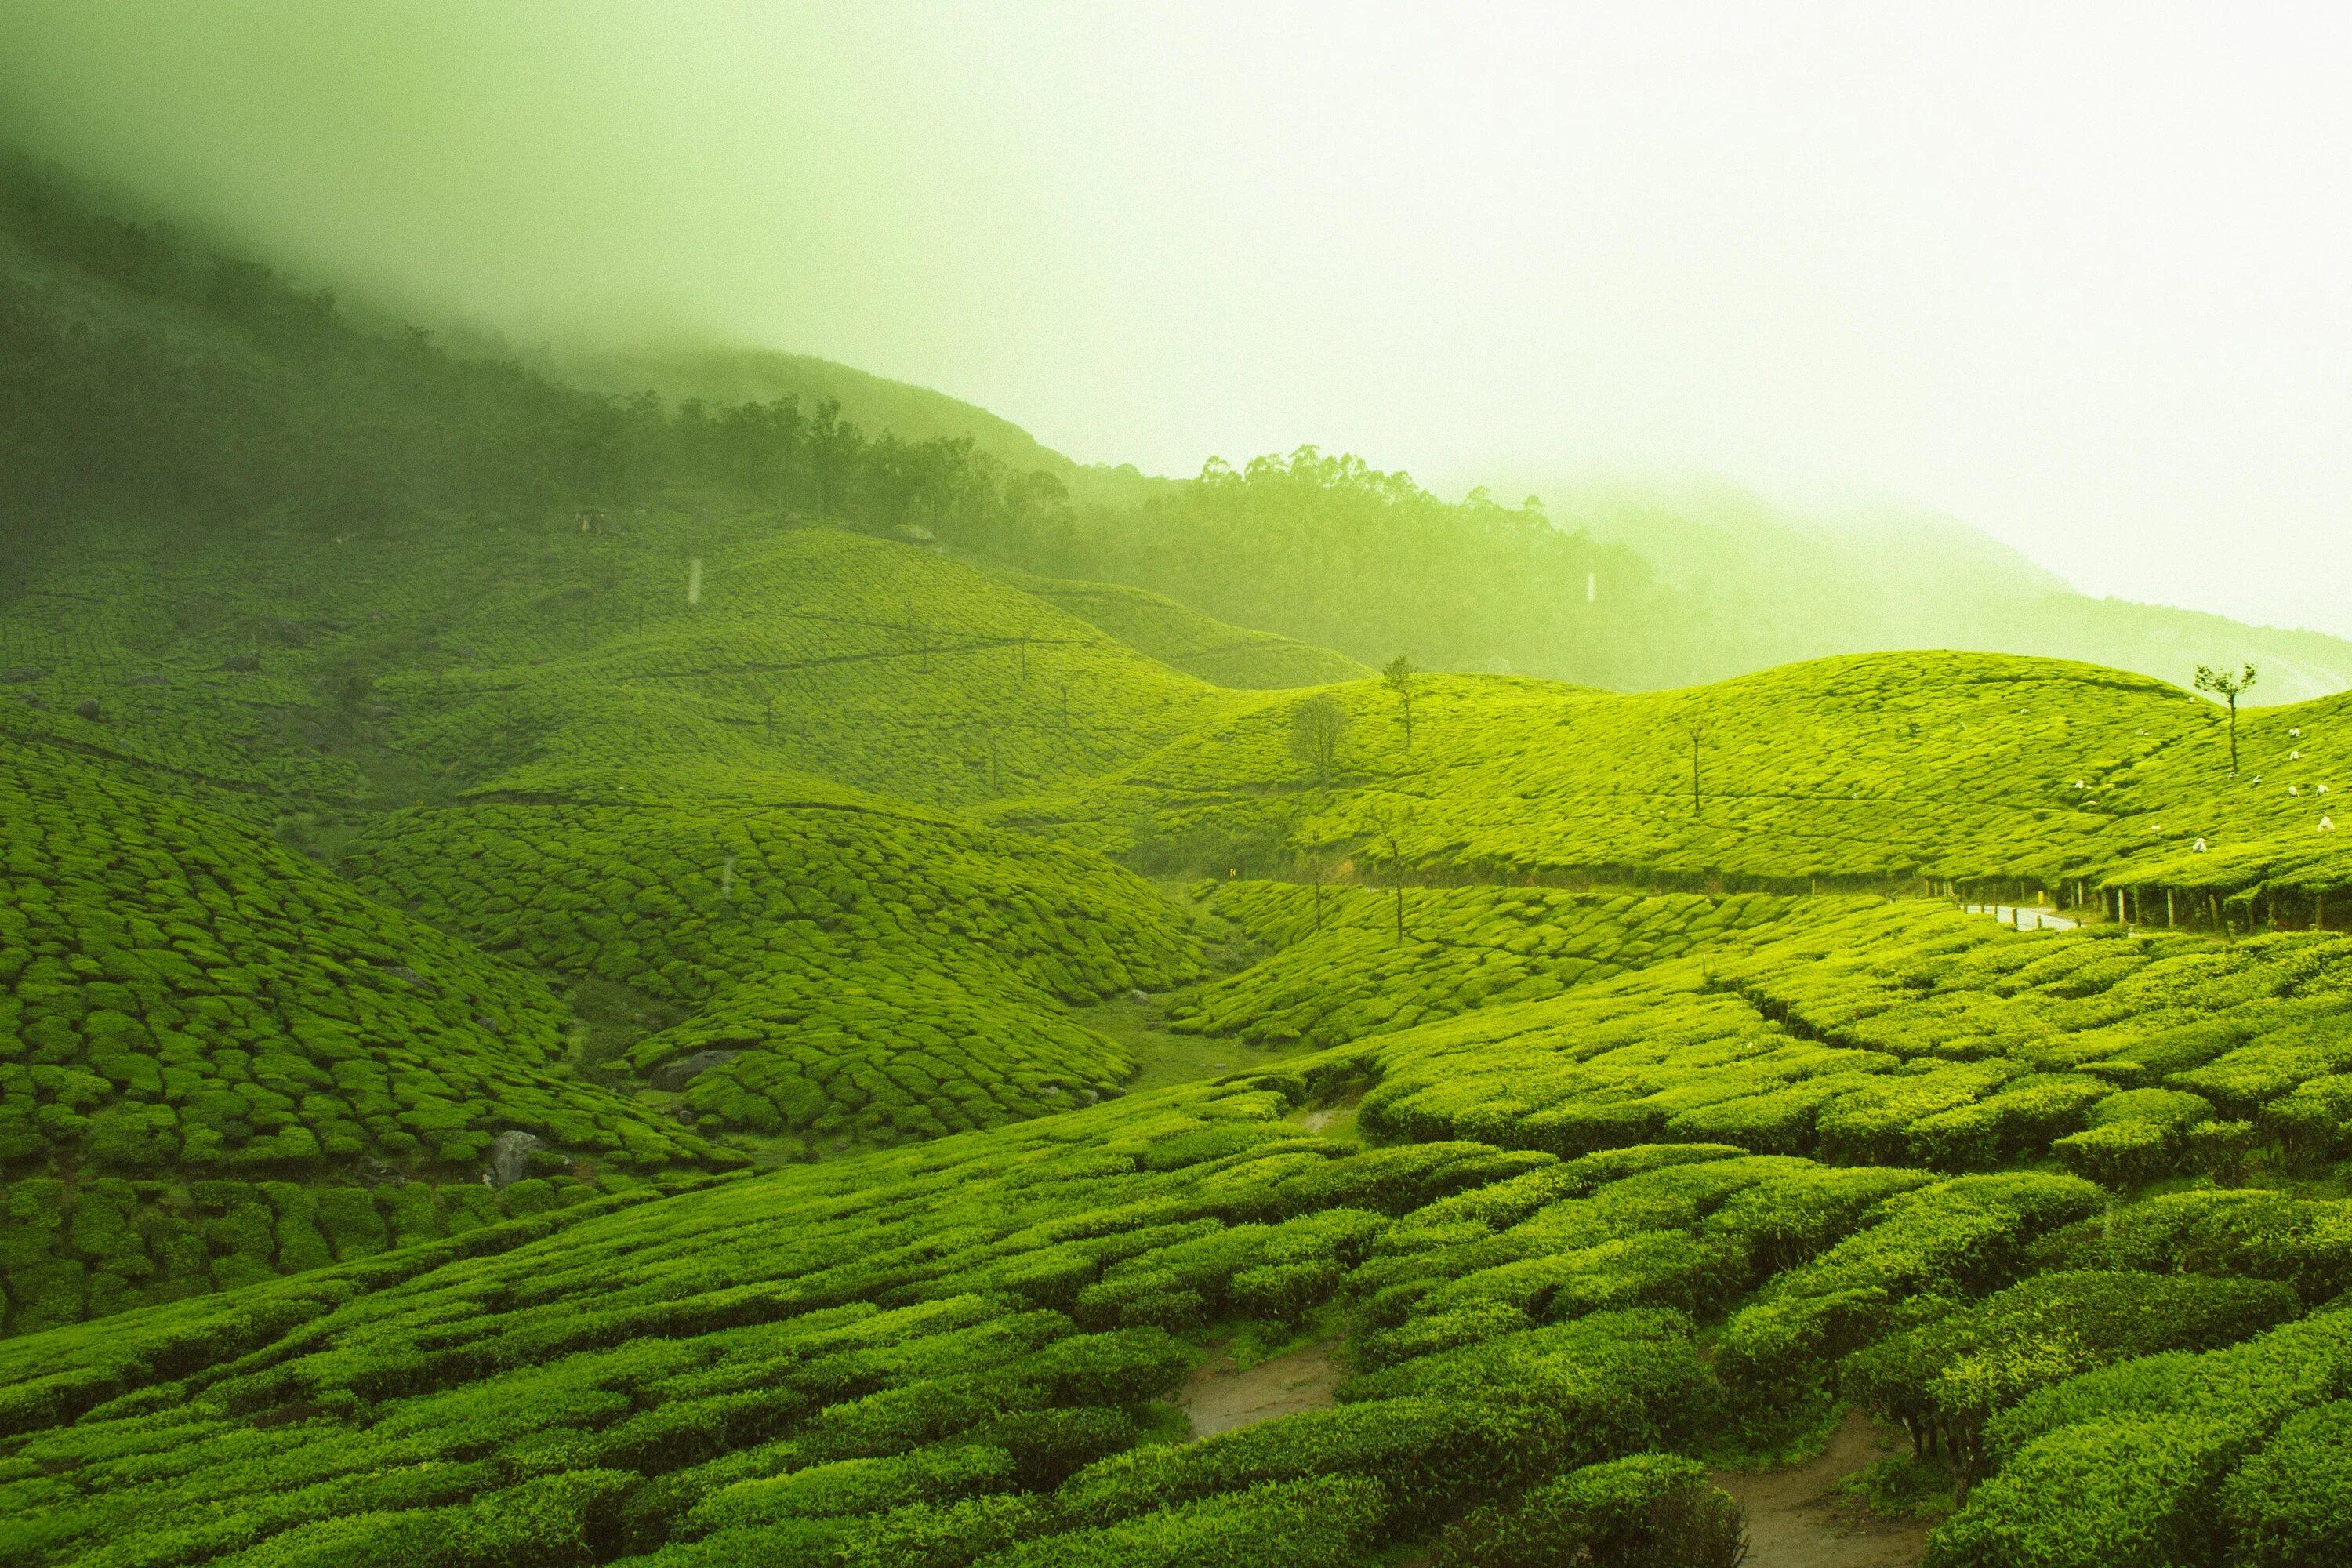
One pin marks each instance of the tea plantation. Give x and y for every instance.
(843, 969)
(1891, 771)
(768, 878)
(190, 1010)
(1183, 639)
(1341, 973)
(589, 982)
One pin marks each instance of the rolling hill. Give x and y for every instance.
(580, 983)
(1886, 770)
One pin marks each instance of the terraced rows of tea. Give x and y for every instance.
(198, 1004)
(959, 1352)
(187, 1009)
(1885, 770)
(1340, 971)
(474, 657)
(842, 969)
(1183, 639)
(768, 879)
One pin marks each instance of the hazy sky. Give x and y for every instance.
(2075, 274)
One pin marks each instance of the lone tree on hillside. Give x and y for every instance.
(1318, 870)
(1400, 675)
(1317, 726)
(1390, 825)
(2228, 689)
(1697, 733)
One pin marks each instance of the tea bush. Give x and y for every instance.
(877, 973)
(184, 996)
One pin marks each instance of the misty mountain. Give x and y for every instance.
(148, 377)
(734, 375)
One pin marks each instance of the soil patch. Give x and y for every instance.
(1220, 1396)
(1794, 1520)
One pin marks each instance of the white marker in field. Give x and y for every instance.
(1592, 586)
(694, 581)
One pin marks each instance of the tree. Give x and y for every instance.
(1317, 726)
(1317, 871)
(1399, 674)
(1697, 733)
(2229, 687)
(1390, 826)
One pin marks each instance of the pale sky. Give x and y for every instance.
(2076, 274)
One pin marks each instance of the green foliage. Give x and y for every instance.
(871, 974)
(189, 997)
(1944, 1380)
(815, 826)
(2121, 1466)
(1340, 976)
(1647, 1511)
(2290, 1506)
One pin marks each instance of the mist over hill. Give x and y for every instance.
(730, 962)
(1742, 583)
(255, 392)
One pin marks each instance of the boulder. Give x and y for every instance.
(20, 674)
(673, 1075)
(88, 708)
(245, 661)
(510, 1153)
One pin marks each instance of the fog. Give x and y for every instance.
(2071, 273)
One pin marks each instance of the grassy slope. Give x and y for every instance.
(187, 1007)
(1877, 769)
(561, 686)
(1188, 640)
(877, 975)
(1604, 1211)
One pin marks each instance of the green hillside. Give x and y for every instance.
(1185, 639)
(1889, 770)
(190, 1008)
(954, 1355)
(581, 983)
(724, 375)
(833, 969)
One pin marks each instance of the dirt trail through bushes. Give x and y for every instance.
(1793, 1520)
(1219, 1397)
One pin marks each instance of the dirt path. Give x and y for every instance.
(1793, 1522)
(1218, 1399)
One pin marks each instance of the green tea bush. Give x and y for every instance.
(1927, 1247)
(1341, 975)
(2290, 1506)
(2122, 1465)
(1647, 1511)
(1944, 1380)
(2305, 1243)
(186, 997)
